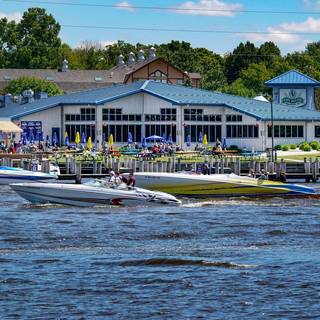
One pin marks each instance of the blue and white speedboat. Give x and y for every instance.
(14, 175)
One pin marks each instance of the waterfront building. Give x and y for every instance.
(146, 108)
(142, 68)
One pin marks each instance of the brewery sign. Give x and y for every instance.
(293, 97)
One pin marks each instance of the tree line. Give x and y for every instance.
(34, 42)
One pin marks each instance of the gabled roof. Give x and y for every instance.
(292, 77)
(177, 95)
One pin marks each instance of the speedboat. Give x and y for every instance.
(11, 175)
(218, 185)
(90, 194)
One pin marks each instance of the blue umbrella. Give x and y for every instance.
(200, 137)
(130, 140)
(224, 145)
(67, 141)
(170, 141)
(164, 138)
(54, 139)
(188, 140)
(104, 138)
(144, 142)
(83, 138)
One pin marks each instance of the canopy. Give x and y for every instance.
(154, 138)
(110, 140)
(200, 138)
(77, 139)
(130, 140)
(224, 145)
(205, 139)
(89, 144)
(8, 126)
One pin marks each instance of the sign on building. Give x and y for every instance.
(32, 129)
(293, 97)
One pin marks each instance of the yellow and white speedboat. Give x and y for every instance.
(218, 185)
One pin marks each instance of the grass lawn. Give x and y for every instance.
(300, 156)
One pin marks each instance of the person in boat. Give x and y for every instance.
(263, 177)
(131, 181)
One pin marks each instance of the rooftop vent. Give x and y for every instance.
(141, 57)
(131, 59)
(121, 62)
(65, 65)
(152, 53)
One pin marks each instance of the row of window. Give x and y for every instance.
(87, 129)
(120, 132)
(242, 131)
(86, 114)
(115, 114)
(286, 132)
(213, 133)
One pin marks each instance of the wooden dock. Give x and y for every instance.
(72, 169)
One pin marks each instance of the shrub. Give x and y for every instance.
(305, 147)
(315, 145)
(285, 148)
(233, 147)
(277, 147)
(293, 146)
(302, 145)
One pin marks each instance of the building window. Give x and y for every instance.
(179, 81)
(213, 132)
(166, 114)
(242, 131)
(197, 115)
(88, 129)
(160, 130)
(286, 131)
(86, 114)
(317, 131)
(115, 114)
(233, 118)
(120, 132)
(159, 76)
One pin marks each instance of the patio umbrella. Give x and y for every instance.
(224, 144)
(83, 138)
(170, 141)
(188, 140)
(66, 142)
(110, 140)
(164, 138)
(130, 140)
(89, 144)
(205, 139)
(54, 139)
(154, 137)
(200, 137)
(77, 139)
(144, 142)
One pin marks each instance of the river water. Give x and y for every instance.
(226, 259)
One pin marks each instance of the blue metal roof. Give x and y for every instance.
(177, 95)
(292, 77)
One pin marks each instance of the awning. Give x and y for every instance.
(8, 126)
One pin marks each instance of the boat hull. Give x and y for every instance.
(87, 196)
(218, 186)
(15, 175)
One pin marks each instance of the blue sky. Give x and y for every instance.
(196, 17)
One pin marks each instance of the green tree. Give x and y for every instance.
(240, 59)
(268, 53)
(17, 86)
(7, 41)
(238, 88)
(37, 40)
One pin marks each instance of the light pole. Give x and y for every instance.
(272, 131)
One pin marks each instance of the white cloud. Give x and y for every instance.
(125, 5)
(286, 33)
(15, 16)
(207, 7)
(314, 4)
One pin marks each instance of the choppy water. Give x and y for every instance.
(231, 259)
